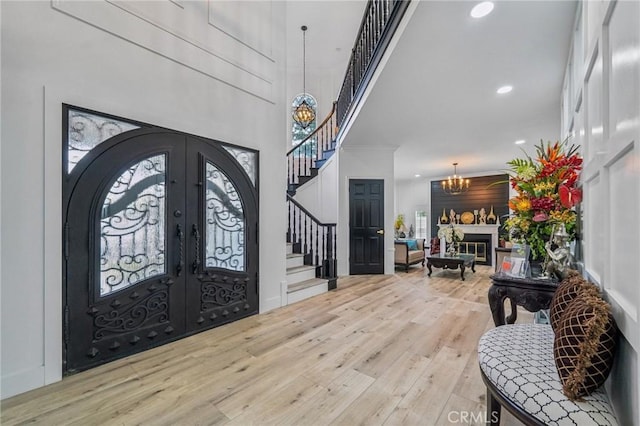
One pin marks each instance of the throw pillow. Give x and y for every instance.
(412, 244)
(584, 345)
(566, 292)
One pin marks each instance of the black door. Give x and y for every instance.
(366, 226)
(160, 242)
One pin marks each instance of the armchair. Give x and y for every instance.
(406, 254)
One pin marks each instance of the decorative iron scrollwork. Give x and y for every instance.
(246, 159)
(222, 291)
(132, 226)
(153, 308)
(86, 131)
(225, 224)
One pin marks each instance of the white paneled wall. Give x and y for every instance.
(166, 63)
(601, 111)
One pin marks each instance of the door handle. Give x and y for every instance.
(196, 261)
(180, 264)
(380, 231)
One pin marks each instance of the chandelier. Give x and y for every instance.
(455, 185)
(303, 114)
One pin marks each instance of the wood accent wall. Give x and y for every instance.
(481, 194)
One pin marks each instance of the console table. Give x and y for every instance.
(530, 293)
(452, 262)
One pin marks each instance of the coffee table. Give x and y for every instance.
(452, 262)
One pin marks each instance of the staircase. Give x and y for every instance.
(301, 279)
(311, 248)
(311, 244)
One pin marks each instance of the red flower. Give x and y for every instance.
(569, 197)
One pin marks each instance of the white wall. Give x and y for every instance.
(173, 64)
(364, 163)
(411, 196)
(320, 195)
(601, 109)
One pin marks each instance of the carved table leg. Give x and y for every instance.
(462, 268)
(511, 319)
(473, 266)
(429, 268)
(496, 303)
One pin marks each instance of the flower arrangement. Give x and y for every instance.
(398, 226)
(546, 195)
(451, 234)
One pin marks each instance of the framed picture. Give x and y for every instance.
(514, 266)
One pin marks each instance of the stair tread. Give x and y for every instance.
(305, 284)
(295, 269)
(292, 255)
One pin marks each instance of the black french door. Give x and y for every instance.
(160, 242)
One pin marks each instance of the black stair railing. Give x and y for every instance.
(380, 20)
(304, 159)
(314, 239)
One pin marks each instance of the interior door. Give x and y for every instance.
(160, 242)
(366, 226)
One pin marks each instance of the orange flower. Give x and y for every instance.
(520, 204)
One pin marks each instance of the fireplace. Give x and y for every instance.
(479, 240)
(479, 245)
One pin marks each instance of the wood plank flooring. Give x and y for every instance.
(380, 350)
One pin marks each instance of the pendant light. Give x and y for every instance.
(303, 114)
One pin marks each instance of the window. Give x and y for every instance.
(421, 224)
(297, 132)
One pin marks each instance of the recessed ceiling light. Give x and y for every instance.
(417, 175)
(481, 9)
(504, 89)
(520, 142)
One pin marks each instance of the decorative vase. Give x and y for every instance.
(491, 217)
(452, 249)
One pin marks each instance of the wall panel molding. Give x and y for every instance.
(244, 22)
(183, 36)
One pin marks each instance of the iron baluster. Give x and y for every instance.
(304, 235)
(317, 261)
(289, 221)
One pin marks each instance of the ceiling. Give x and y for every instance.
(436, 101)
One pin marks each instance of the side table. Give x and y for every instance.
(530, 293)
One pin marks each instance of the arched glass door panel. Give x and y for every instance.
(133, 226)
(225, 223)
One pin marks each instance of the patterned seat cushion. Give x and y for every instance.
(518, 360)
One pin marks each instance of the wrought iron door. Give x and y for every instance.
(160, 242)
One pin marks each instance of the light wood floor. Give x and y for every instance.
(388, 350)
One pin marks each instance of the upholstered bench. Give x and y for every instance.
(518, 368)
(554, 374)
